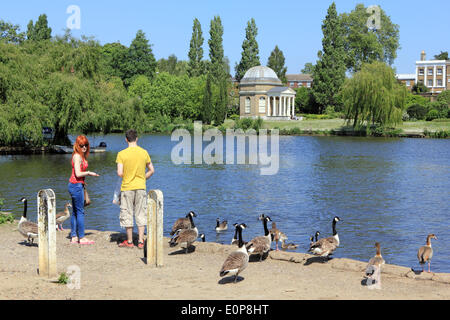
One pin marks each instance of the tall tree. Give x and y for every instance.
(140, 59)
(114, 56)
(308, 69)
(207, 110)
(40, 30)
(364, 44)
(196, 65)
(10, 33)
(250, 51)
(442, 56)
(220, 111)
(216, 53)
(329, 72)
(276, 62)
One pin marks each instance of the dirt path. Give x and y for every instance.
(109, 272)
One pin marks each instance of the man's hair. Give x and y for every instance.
(131, 135)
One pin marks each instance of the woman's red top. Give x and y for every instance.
(73, 177)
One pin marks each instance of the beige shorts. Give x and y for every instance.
(133, 202)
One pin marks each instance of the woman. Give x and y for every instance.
(76, 189)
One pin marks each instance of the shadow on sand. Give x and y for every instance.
(230, 279)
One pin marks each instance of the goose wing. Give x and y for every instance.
(29, 227)
(259, 244)
(181, 223)
(324, 246)
(236, 260)
(187, 235)
(424, 254)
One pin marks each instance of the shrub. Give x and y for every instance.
(432, 114)
(417, 111)
(63, 278)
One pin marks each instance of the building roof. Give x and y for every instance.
(279, 90)
(260, 75)
(299, 77)
(405, 76)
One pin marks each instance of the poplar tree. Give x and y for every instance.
(207, 114)
(40, 30)
(329, 72)
(276, 63)
(220, 111)
(216, 53)
(196, 66)
(250, 51)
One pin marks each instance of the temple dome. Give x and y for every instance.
(260, 75)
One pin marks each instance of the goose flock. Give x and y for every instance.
(238, 260)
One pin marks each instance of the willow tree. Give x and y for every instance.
(373, 96)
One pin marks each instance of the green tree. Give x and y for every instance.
(207, 112)
(196, 65)
(250, 51)
(308, 69)
(329, 72)
(216, 53)
(419, 87)
(114, 56)
(276, 63)
(140, 59)
(10, 33)
(374, 96)
(364, 45)
(442, 56)
(220, 111)
(39, 31)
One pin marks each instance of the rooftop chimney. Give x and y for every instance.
(423, 56)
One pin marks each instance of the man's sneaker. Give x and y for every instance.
(126, 244)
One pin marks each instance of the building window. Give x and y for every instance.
(421, 72)
(262, 105)
(408, 83)
(247, 105)
(439, 82)
(430, 72)
(291, 84)
(439, 72)
(430, 83)
(308, 85)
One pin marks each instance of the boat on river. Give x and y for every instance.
(67, 149)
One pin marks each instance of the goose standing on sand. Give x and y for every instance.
(27, 228)
(187, 236)
(261, 245)
(326, 246)
(237, 261)
(276, 234)
(376, 261)
(183, 223)
(63, 216)
(425, 252)
(221, 226)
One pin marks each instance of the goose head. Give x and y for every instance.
(202, 236)
(336, 219)
(23, 199)
(191, 214)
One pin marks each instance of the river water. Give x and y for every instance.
(394, 191)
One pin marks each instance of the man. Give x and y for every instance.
(131, 167)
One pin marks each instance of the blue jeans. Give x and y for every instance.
(76, 191)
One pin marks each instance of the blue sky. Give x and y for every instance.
(295, 26)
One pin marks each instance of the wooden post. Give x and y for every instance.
(47, 233)
(155, 210)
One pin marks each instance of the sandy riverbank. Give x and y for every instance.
(109, 272)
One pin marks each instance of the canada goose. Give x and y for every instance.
(376, 261)
(183, 223)
(261, 245)
(187, 236)
(237, 261)
(425, 253)
(326, 246)
(235, 239)
(63, 216)
(221, 226)
(27, 228)
(202, 236)
(276, 234)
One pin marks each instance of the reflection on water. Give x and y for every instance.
(394, 191)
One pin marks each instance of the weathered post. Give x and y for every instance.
(47, 233)
(155, 212)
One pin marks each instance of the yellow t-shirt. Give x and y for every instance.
(134, 160)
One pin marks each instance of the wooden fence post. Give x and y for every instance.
(46, 204)
(155, 211)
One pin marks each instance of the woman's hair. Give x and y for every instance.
(81, 140)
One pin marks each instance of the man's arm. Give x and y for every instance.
(120, 170)
(150, 171)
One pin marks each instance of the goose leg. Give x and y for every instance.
(429, 266)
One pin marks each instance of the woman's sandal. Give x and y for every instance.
(72, 241)
(87, 242)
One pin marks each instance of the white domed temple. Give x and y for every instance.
(261, 94)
